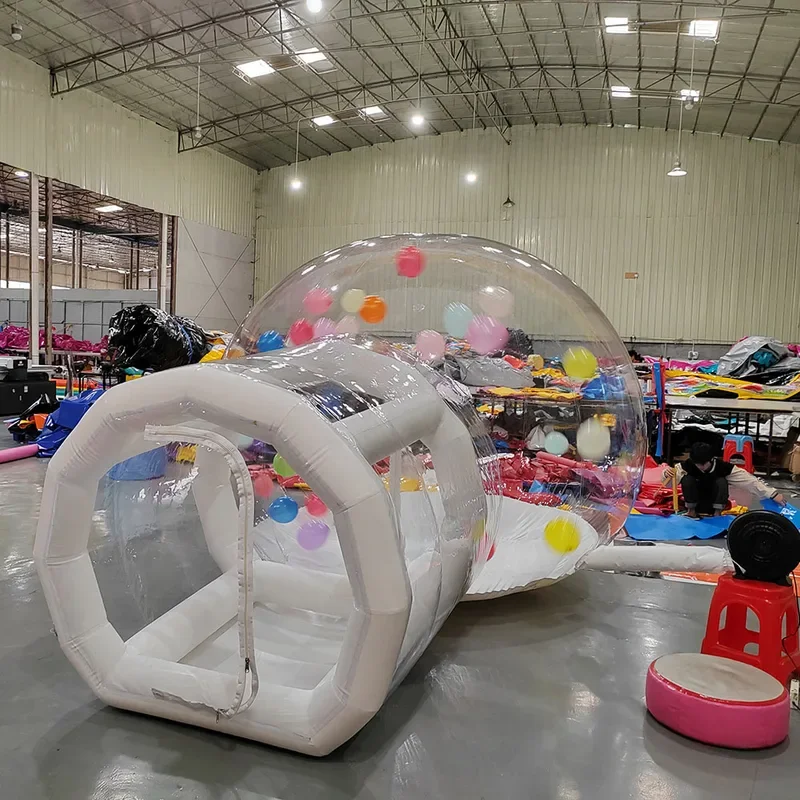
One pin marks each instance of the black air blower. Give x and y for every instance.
(764, 546)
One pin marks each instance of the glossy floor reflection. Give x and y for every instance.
(535, 696)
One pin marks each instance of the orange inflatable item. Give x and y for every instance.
(373, 310)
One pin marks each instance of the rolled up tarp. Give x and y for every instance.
(659, 558)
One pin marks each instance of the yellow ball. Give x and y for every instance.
(352, 300)
(562, 535)
(478, 529)
(579, 363)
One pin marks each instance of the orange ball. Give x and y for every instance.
(373, 310)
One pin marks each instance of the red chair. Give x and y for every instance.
(741, 446)
(777, 638)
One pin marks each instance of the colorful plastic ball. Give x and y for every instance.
(556, 443)
(347, 325)
(457, 317)
(282, 509)
(301, 332)
(282, 467)
(312, 535)
(496, 300)
(324, 327)
(410, 261)
(268, 341)
(315, 506)
(430, 345)
(486, 335)
(478, 530)
(579, 363)
(373, 310)
(317, 300)
(352, 300)
(262, 484)
(593, 440)
(562, 535)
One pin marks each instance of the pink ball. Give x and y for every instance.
(315, 506)
(347, 325)
(262, 484)
(410, 262)
(430, 345)
(301, 331)
(324, 327)
(486, 335)
(317, 300)
(312, 535)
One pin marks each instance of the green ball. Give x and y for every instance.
(282, 468)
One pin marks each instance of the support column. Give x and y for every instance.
(81, 269)
(33, 268)
(8, 248)
(162, 263)
(173, 273)
(138, 264)
(48, 271)
(75, 261)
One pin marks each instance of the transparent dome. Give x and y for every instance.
(550, 376)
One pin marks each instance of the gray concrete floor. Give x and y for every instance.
(534, 696)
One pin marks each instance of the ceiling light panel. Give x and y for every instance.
(255, 69)
(704, 28)
(617, 25)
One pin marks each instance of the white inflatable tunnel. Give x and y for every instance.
(219, 658)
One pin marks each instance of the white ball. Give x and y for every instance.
(593, 440)
(496, 300)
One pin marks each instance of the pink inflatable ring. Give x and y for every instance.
(718, 701)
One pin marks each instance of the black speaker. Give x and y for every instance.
(764, 546)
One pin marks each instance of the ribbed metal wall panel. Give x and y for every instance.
(716, 251)
(84, 139)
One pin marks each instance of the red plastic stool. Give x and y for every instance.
(777, 637)
(739, 446)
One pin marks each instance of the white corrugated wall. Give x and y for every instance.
(84, 139)
(716, 251)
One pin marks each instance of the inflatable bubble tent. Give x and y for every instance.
(324, 496)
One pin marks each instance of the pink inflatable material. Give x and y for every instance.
(16, 453)
(718, 701)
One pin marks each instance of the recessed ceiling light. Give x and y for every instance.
(704, 28)
(373, 111)
(417, 120)
(621, 91)
(255, 69)
(314, 6)
(617, 25)
(470, 177)
(20, 173)
(311, 55)
(324, 120)
(295, 184)
(109, 209)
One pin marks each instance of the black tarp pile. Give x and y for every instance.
(150, 339)
(761, 360)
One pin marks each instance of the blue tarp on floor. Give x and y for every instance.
(652, 528)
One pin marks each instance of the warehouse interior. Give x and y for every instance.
(320, 319)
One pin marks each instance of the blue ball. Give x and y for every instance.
(282, 509)
(271, 340)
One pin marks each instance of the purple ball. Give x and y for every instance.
(312, 535)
